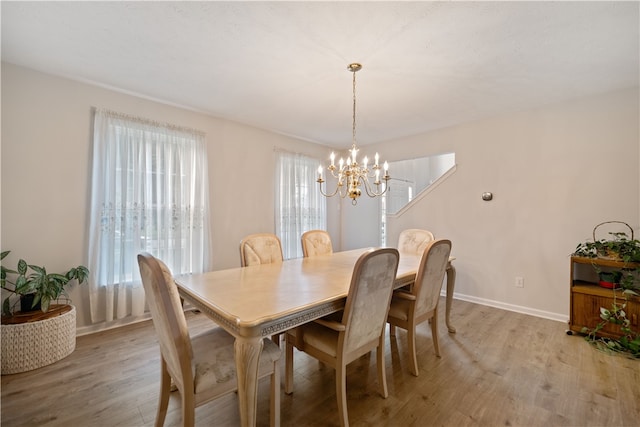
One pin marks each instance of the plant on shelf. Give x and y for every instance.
(623, 280)
(619, 248)
(629, 341)
(33, 280)
(609, 279)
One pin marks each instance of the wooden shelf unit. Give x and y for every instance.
(587, 297)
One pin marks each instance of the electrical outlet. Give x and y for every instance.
(519, 282)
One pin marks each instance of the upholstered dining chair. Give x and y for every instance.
(202, 367)
(316, 242)
(414, 240)
(340, 339)
(410, 307)
(260, 248)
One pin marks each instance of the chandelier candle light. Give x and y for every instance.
(350, 174)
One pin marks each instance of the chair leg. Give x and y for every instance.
(382, 377)
(275, 396)
(411, 337)
(434, 332)
(288, 366)
(165, 389)
(341, 394)
(188, 409)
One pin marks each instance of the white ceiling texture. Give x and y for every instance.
(281, 66)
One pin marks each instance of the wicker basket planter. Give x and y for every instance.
(39, 342)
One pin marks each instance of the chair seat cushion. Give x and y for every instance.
(318, 336)
(213, 358)
(399, 308)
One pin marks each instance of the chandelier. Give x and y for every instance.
(351, 175)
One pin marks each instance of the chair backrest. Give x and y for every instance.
(260, 248)
(169, 321)
(367, 305)
(414, 240)
(316, 242)
(430, 275)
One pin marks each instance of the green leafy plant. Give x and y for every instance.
(610, 276)
(618, 247)
(629, 341)
(34, 279)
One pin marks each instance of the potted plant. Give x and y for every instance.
(623, 280)
(33, 280)
(609, 279)
(619, 247)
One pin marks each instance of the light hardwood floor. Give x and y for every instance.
(500, 368)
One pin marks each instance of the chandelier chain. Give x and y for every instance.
(353, 129)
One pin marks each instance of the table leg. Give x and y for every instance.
(247, 353)
(451, 282)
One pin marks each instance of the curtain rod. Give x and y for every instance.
(146, 121)
(284, 150)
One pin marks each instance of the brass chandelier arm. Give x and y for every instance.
(373, 193)
(320, 181)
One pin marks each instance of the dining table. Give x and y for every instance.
(260, 301)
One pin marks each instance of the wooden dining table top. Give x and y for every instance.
(245, 299)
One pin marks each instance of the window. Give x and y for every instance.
(149, 193)
(299, 205)
(411, 178)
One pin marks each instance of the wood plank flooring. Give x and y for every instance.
(500, 368)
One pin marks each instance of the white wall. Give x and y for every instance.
(555, 173)
(46, 158)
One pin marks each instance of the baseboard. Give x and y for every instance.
(511, 307)
(104, 326)
(91, 329)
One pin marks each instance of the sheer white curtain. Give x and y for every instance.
(149, 193)
(299, 205)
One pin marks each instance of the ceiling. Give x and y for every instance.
(282, 66)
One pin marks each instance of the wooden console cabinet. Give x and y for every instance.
(587, 296)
